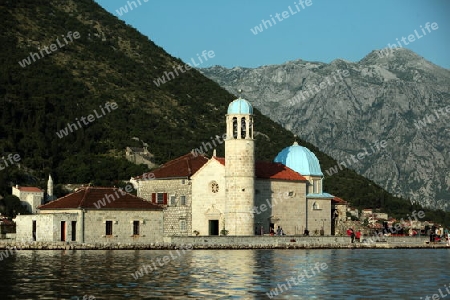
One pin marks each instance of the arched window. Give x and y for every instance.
(235, 128)
(250, 129)
(243, 127)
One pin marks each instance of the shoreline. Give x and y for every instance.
(232, 243)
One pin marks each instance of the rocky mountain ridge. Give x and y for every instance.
(345, 107)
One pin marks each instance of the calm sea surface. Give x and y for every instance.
(226, 274)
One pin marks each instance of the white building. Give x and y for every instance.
(94, 215)
(30, 197)
(236, 194)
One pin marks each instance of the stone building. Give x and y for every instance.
(77, 217)
(338, 216)
(236, 194)
(30, 197)
(139, 156)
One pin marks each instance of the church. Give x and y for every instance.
(237, 195)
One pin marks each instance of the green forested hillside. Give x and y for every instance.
(112, 62)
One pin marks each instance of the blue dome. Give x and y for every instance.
(299, 159)
(240, 106)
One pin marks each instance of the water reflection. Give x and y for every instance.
(240, 274)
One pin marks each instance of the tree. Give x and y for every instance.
(10, 206)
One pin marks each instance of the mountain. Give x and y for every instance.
(342, 107)
(77, 86)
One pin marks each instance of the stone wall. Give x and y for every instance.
(319, 216)
(239, 180)
(48, 227)
(282, 203)
(150, 226)
(238, 242)
(174, 214)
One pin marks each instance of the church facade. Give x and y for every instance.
(236, 194)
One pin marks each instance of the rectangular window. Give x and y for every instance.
(182, 225)
(33, 231)
(183, 200)
(108, 228)
(160, 198)
(63, 231)
(74, 231)
(172, 200)
(135, 227)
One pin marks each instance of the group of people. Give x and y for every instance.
(437, 235)
(272, 231)
(279, 231)
(354, 235)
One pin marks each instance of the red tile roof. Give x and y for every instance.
(30, 189)
(271, 170)
(5, 221)
(183, 166)
(337, 200)
(86, 197)
(189, 164)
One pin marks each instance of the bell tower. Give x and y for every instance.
(239, 169)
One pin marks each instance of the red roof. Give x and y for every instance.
(272, 170)
(337, 200)
(86, 197)
(183, 166)
(5, 221)
(29, 189)
(187, 165)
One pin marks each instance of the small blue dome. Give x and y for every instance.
(299, 159)
(240, 106)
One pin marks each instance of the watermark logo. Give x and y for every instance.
(354, 159)
(269, 204)
(14, 249)
(280, 17)
(203, 148)
(438, 296)
(12, 159)
(161, 261)
(389, 50)
(168, 76)
(53, 47)
(315, 88)
(429, 119)
(114, 196)
(86, 120)
(124, 9)
(281, 287)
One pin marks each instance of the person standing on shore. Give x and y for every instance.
(352, 235)
(358, 235)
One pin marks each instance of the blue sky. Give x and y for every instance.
(324, 31)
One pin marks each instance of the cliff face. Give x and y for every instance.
(348, 108)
